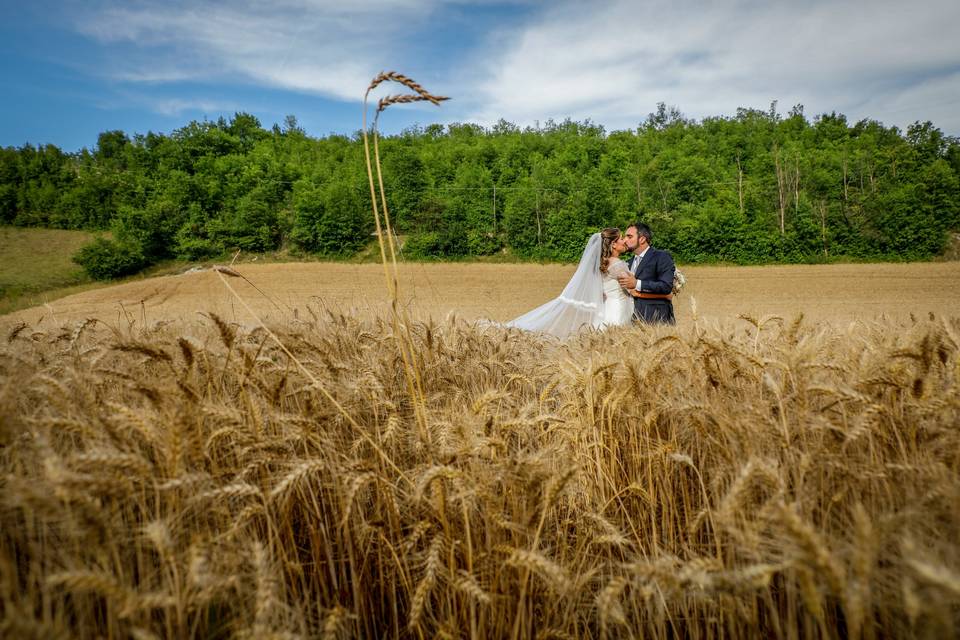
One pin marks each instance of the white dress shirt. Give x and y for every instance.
(635, 261)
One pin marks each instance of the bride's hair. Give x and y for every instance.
(609, 236)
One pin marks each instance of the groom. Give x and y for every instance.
(650, 280)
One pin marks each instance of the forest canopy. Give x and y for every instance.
(758, 187)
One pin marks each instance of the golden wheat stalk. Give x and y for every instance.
(548, 507)
(401, 329)
(316, 383)
(406, 81)
(406, 98)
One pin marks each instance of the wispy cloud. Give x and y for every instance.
(323, 47)
(614, 62)
(133, 99)
(608, 61)
(176, 106)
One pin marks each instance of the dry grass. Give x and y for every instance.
(834, 293)
(762, 478)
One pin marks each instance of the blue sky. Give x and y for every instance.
(71, 69)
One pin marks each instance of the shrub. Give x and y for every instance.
(449, 243)
(196, 248)
(104, 259)
(481, 243)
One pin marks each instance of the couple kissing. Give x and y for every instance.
(606, 290)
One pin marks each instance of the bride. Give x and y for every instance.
(593, 297)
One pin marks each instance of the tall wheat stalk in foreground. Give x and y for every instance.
(776, 479)
(400, 317)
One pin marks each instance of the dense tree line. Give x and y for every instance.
(757, 187)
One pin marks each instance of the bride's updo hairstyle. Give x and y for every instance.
(608, 237)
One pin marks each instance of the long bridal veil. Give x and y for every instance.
(580, 304)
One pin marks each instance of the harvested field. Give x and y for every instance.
(837, 293)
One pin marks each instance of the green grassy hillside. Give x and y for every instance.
(34, 261)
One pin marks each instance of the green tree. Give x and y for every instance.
(330, 218)
(756, 187)
(523, 220)
(406, 181)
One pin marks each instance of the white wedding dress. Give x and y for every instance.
(617, 303)
(590, 299)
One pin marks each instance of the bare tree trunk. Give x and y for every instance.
(846, 192)
(663, 195)
(796, 185)
(539, 230)
(781, 188)
(740, 183)
(823, 228)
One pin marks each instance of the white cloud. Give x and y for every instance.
(608, 61)
(176, 106)
(169, 106)
(613, 62)
(324, 47)
(936, 100)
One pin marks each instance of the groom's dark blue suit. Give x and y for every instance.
(655, 273)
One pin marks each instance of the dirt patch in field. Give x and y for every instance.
(838, 293)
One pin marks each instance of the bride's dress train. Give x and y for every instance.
(590, 299)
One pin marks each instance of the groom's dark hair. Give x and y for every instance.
(643, 230)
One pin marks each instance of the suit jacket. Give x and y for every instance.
(655, 273)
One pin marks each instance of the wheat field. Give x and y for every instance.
(190, 476)
(823, 293)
